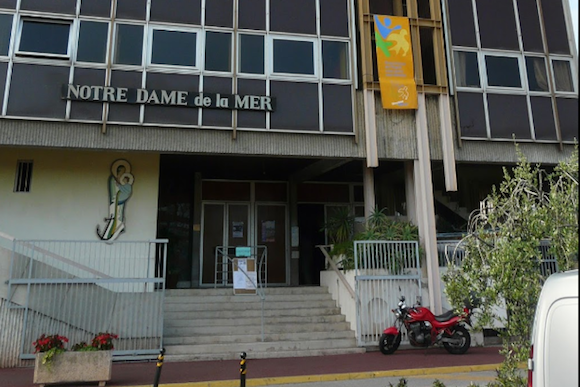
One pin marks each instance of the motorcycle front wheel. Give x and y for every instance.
(389, 343)
(462, 341)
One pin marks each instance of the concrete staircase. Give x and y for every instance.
(215, 324)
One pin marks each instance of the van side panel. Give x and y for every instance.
(561, 343)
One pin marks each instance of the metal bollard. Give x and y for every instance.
(159, 365)
(243, 370)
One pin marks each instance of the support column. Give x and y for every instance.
(294, 242)
(426, 207)
(369, 190)
(410, 202)
(196, 254)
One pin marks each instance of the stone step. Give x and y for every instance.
(256, 319)
(263, 355)
(272, 346)
(228, 313)
(247, 299)
(205, 292)
(190, 331)
(243, 337)
(212, 324)
(257, 305)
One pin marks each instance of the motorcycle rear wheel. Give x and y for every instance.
(461, 334)
(389, 343)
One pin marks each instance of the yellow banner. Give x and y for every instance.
(395, 62)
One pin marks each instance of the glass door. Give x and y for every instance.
(271, 231)
(224, 224)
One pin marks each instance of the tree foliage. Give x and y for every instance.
(503, 260)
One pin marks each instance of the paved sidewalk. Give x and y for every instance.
(429, 364)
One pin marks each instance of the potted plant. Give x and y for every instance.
(83, 363)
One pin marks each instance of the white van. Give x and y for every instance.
(553, 358)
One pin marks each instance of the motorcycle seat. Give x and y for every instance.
(445, 316)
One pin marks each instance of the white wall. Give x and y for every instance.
(69, 194)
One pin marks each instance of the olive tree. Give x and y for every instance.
(502, 262)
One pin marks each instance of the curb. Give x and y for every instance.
(335, 377)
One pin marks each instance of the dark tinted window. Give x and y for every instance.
(462, 23)
(537, 77)
(428, 56)
(251, 54)
(9, 4)
(530, 25)
(334, 17)
(563, 75)
(42, 82)
(502, 71)
(131, 9)
(568, 112)
(424, 9)
(508, 116)
(43, 37)
(3, 67)
(93, 42)
(165, 11)
(218, 51)
(129, 44)
(252, 14)
(96, 7)
(5, 31)
(175, 114)
(337, 107)
(466, 69)
(381, 7)
(293, 16)
(247, 118)
(60, 6)
(217, 117)
(335, 60)
(176, 48)
(555, 25)
(124, 112)
(291, 98)
(219, 13)
(84, 110)
(294, 57)
(497, 24)
(471, 115)
(543, 116)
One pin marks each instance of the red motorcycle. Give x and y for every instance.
(424, 329)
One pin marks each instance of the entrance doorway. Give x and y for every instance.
(234, 224)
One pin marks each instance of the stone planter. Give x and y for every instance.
(73, 366)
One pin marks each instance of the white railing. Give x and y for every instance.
(80, 288)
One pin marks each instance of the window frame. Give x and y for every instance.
(71, 42)
(349, 65)
(239, 55)
(203, 56)
(159, 27)
(108, 50)
(144, 45)
(573, 74)
(317, 64)
(521, 70)
(11, 38)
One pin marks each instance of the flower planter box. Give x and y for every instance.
(72, 366)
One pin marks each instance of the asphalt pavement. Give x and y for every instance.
(419, 367)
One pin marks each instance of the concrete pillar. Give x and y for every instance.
(369, 190)
(410, 202)
(426, 207)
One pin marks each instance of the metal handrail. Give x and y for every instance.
(262, 263)
(333, 266)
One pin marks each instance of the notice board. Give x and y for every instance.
(245, 278)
